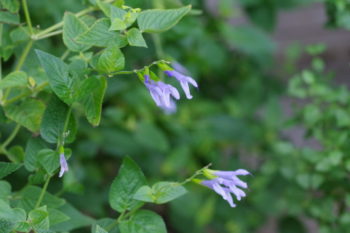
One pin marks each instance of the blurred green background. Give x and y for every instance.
(267, 102)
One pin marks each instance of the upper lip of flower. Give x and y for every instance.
(184, 81)
(64, 165)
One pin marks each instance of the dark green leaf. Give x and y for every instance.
(130, 178)
(8, 17)
(54, 118)
(143, 221)
(34, 145)
(8, 168)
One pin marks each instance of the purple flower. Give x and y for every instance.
(226, 183)
(64, 165)
(184, 81)
(162, 93)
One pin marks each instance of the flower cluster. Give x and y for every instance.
(164, 94)
(226, 183)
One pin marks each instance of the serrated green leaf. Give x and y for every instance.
(9, 18)
(8, 168)
(130, 178)
(49, 159)
(14, 79)
(143, 221)
(54, 118)
(58, 77)
(145, 193)
(39, 218)
(100, 36)
(56, 217)
(34, 145)
(135, 38)
(72, 28)
(160, 20)
(111, 60)
(93, 89)
(117, 12)
(27, 113)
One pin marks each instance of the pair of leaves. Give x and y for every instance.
(129, 189)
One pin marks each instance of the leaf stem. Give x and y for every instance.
(24, 55)
(197, 173)
(11, 137)
(116, 222)
(49, 35)
(27, 16)
(43, 191)
(25, 94)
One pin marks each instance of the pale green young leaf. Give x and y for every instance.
(158, 20)
(94, 89)
(111, 60)
(143, 221)
(135, 38)
(72, 28)
(54, 118)
(129, 179)
(14, 79)
(99, 35)
(117, 12)
(8, 168)
(27, 113)
(145, 193)
(117, 25)
(57, 74)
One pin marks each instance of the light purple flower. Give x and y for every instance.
(183, 80)
(162, 93)
(64, 165)
(227, 183)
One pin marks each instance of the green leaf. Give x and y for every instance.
(10, 5)
(72, 28)
(27, 113)
(54, 118)
(117, 25)
(135, 38)
(100, 230)
(117, 12)
(8, 17)
(160, 20)
(30, 196)
(6, 226)
(56, 217)
(49, 159)
(99, 35)
(8, 168)
(130, 178)
(34, 145)
(143, 221)
(160, 192)
(93, 89)
(39, 218)
(111, 60)
(5, 190)
(57, 74)
(77, 219)
(14, 79)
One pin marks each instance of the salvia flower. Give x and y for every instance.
(226, 183)
(64, 165)
(162, 93)
(183, 80)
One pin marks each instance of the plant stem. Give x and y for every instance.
(26, 13)
(25, 94)
(43, 191)
(197, 173)
(24, 55)
(113, 224)
(11, 137)
(49, 35)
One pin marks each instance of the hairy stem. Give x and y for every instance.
(27, 16)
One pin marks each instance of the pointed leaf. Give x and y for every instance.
(135, 38)
(72, 28)
(143, 221)
(8, 168)
(111, 60)
(14, 79)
